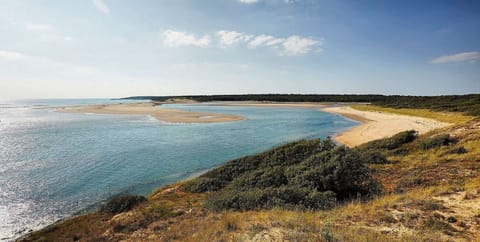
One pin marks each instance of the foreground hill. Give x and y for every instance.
(408, 187)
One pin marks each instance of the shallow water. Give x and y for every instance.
(53, 165)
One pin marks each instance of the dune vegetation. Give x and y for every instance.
(408, 187)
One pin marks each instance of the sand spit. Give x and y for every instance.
(152, 109)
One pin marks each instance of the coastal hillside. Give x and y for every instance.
(239, 120)
(408, 187)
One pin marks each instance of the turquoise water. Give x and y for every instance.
(53, 165)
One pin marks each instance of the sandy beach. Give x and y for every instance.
(375, 125)
(162, 114)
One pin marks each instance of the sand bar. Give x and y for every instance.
(152, 109)
(375, 125)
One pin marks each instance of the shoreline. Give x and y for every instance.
(373, 125)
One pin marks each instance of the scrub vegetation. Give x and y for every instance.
(304, 175)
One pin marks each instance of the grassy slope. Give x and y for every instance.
(436, 188)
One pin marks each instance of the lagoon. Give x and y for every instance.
(54, 165)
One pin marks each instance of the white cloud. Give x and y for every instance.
(265, 40)
(176, 38)
(248, 1)
(232, 37)
(290, 46)
(101, 6)
(459, 57)
(39, 27)
(12, 56)
(260, 40)
(296, 45)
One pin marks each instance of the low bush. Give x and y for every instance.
(456, 150)
(284, 155)
(284, 197)
(375, 152)
(437, 141)
(308, 174)
(373, 156)
(121, 203)
(401, 152)
(391, 143)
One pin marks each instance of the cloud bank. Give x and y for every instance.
(290, 46)
(459, 57)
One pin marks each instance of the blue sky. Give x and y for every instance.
(115, 48)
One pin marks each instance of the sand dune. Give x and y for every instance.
(162, 114)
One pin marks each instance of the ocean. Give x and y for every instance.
(55, 165)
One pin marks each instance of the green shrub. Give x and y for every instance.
(121, 203)
(285, 197)
(391, 143)
(437, 141)
(374, 157)
(401, 152)
(456, 150)
(309, 174)
(205, 184)
(375, 152)
(284, 155)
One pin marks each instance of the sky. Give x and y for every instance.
(118, 48)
